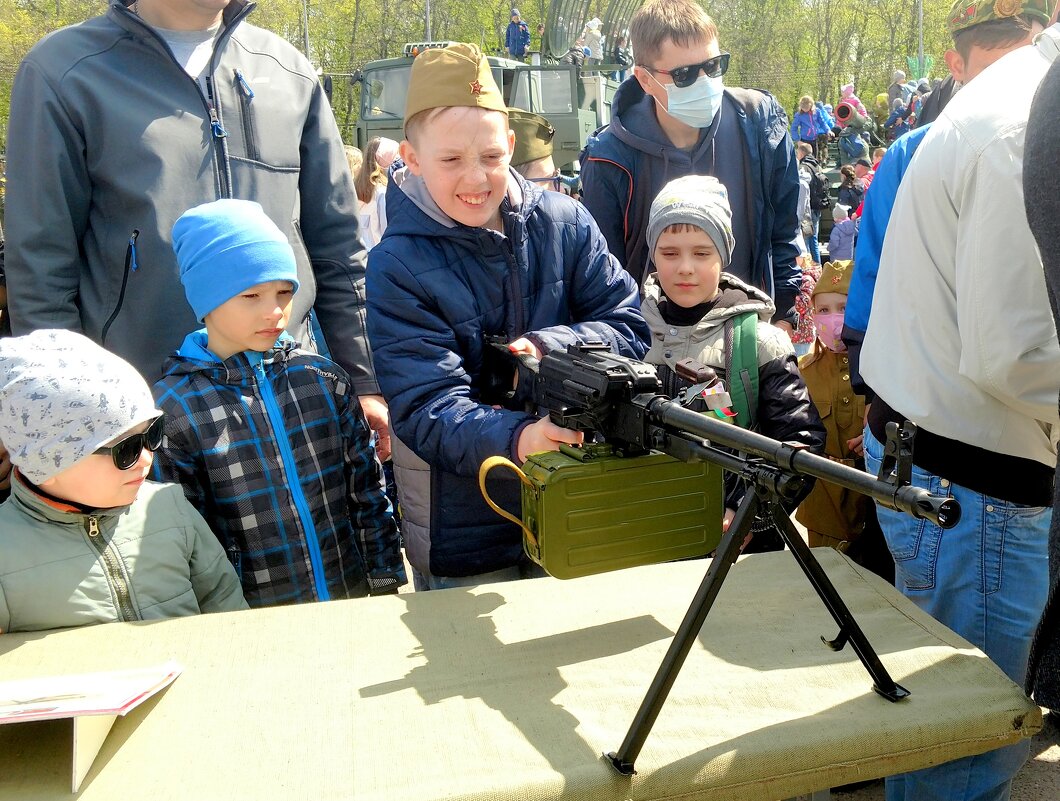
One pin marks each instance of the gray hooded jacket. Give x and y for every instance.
(110, 140)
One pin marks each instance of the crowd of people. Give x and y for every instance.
(225, 321)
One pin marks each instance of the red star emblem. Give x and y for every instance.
(476, 87)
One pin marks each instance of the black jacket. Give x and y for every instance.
(1042, 157)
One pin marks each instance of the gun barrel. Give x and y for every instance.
(918, 502)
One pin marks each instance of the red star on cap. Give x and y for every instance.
(476, 87)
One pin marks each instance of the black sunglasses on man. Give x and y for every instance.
(686, 76)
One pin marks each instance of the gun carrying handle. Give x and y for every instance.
(500, 461)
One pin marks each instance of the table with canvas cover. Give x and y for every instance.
(514, 690)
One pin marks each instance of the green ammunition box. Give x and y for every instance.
(588, 511)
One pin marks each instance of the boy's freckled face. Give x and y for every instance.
(688, 265)
(95, 482)
(252, 320)
(462, 154)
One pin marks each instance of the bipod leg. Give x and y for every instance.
(849, 630)
(724, 557)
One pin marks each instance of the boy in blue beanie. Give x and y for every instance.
(268, 440)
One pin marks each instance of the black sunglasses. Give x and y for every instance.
(126, 452)
(686, 76)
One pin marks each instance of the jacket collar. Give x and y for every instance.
(194, 356)
(1048, 42)
(756, 301)
(52, 509)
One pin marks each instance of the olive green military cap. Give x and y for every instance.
(457, 75)
(965, 14)
(533, 136)
(835, 277)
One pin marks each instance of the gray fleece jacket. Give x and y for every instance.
(110, 140)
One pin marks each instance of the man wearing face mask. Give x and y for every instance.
(675, 117)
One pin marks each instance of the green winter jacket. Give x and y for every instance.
(155, 558)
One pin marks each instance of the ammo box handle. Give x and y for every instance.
(500, 461)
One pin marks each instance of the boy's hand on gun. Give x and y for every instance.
(523, 347)
(544, 435)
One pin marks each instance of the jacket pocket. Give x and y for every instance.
(246, 116)
(131, 266)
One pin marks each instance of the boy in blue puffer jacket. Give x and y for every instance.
(473, 250)
(268, 440)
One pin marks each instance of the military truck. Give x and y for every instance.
(576, 102)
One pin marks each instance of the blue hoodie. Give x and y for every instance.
(435, 289)
(747, 148)
(874, 218)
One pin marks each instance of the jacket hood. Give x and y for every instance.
(412, 211)
(735, 298)
(634, 122)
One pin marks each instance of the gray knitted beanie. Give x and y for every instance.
(699, 200)
(62, 397)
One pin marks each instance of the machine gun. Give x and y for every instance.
(590, 389)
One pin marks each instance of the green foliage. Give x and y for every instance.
(812, 47)
(790, 47)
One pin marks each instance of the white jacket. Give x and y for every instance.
(960, 338)
(372, 218)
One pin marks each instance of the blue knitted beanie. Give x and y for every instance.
(226, 247)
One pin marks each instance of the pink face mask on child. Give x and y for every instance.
(830, 330)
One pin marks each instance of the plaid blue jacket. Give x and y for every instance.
(274, 452)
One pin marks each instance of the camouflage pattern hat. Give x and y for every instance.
(835, 277)
(61, 397)
(457, 75)
(533, 136)
(965, 14)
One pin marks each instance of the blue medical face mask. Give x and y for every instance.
(695, 105)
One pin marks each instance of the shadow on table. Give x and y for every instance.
(525, 676)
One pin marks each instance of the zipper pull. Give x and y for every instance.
(244, 85)
(215, 125)
(133, 264)
(93, 527)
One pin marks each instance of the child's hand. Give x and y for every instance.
(524, 346)
(726, 519)
(378, 416)
(856, 445)
(544, 435)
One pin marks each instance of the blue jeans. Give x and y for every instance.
(987, 579)
(812, 244)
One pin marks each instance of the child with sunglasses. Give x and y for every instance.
(84, 538)
(268, 440)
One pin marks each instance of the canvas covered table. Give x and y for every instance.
(513, 691)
